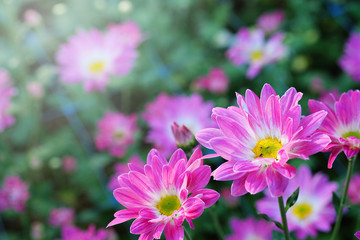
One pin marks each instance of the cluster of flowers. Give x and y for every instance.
(14, 194)
(92, 57)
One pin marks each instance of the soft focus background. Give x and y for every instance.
(50, 146)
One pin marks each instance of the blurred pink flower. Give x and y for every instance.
(120, 168)
(357, 234)
(312, 212)
(269, 22)
(32, 18)
(93, 57)
(252, 47)
(14, 194)
(190, 111)
(228, 198)
(259, 137)
(329, 97)
(354, 189)
(7, 91)
(158, 196)
(69, 164)
(35, 89)
(350, 61)
(342, 124)
(250, 229)
(74, 233)
(61, 217)
(37, 230)
(116, 133)
(215, 82)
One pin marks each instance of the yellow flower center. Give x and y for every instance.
(351, 134)
(168, 205)
(267, 148)
(302, 210)
(97, 67)
(257, 55)
(118, 134)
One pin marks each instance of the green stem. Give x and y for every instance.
(343, 198)
(216, 222)
(283, 218)
(186, 235)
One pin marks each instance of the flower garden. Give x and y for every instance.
(208, 119)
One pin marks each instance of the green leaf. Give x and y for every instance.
(276, 235)
(267, 218)
(292, 199)
(336, 201)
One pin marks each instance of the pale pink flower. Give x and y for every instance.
(37, 230)
(74, 233)
(313, 210)
(252, 47)
(61, 217)
(35, 89)
(342, 124)
(164, 194)
(121, 168)
(32, 18)
(216, 81)
(69, 164)
(190, 112)
(354, 189)
(14, 194)
(116, 133)
(259, 137)
(250, 229)
(269, 22)
(93, 57)
(350, 61)
(329, 97)
(7, 91)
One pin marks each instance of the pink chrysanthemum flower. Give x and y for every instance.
(115, 133)
(354, 189)
(259, 137)
(312, 212)
(7, 91)
(74, 233)
(14, 194)
(61, 217)
(216, 81)
(252, 47)
(350, 62)
(342, 124)
(121, 168)
(269, 22)
(93, 57)
(191, 112)
(250, 229)
(164, 194)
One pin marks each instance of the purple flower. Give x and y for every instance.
(354, 189)
(350, 61)
(252, 47)
(7, 91)
(61, 217)
(116, 133)
(74, 233)
(357, 234)
(312, 212)
(259, 137)
(190, 112)
(269, 22)
(14, 194)
(216, 81)
(250, 229)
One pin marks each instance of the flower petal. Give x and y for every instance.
(276, 182)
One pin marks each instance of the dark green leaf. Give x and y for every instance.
(292, 199)
(276, 235)
(267, 218)
(336, 201)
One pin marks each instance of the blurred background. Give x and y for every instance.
(50, 145)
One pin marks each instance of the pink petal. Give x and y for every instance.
(245, 166)
(141, 225)
(208, 196)
(232, 129)
(238, 186)
(193, 207)
(158, 230)
(124, 215)
(311, 123)
(174, 232)
(286, 170)
(333, 156)
(276, 182)
(255, 182)
(177, 155)
(195, 156)
(205, 135)
(225, 172)
(199, 178)
(266, 92)
(229, 149)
